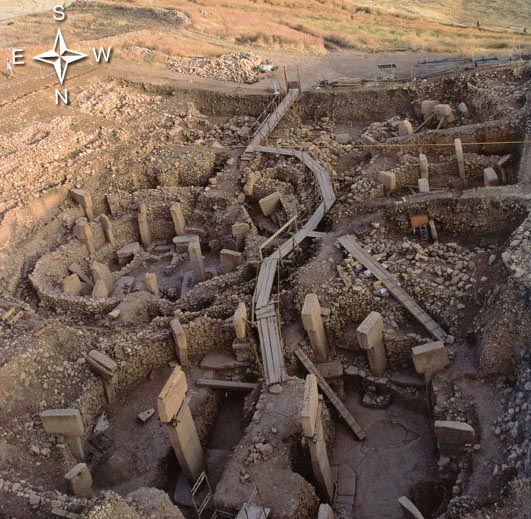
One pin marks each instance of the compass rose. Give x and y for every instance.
(60, 56)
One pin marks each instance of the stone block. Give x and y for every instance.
(172, 395)
(230, 260)
(72, 285)
(310, 406)
(84, 199)
(65, 422)
(388, 179)
(101, 272)
(102, 363)
(449, 432)
(444, 112)
(83, 232)
(325, 512)
(409, 510)
(405, 128)
(424, 185)
(269, 203)
(427, 106)
(490, 178)
(430, 357)
(433, 229)
(463, 110)
(100, 290)
(343, 138)
(79, 481)
(127, 252)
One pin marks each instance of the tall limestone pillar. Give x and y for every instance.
(84, 199)
(180, 341)
(83, 232)
(196, 257)
(313, 324)
(179, 223)
(239, 231)
(143, 225)
(312, 426)
(370, 338)
(107, 229)
(174, 411)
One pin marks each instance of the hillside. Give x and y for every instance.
(311, 26)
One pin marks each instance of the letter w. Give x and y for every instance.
(99, 53)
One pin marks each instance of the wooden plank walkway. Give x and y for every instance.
(354, 247)
(265, 311)
(332, 397)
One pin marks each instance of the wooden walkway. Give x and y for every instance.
(353, 247)
(264, 306)
(271, 122)
(332, 397)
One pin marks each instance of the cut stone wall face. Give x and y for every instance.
(309, 406)
(179, 223)
(230, 260)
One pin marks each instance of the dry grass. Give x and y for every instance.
(313, 25)
(446, 26)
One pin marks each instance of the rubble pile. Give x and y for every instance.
(513, 428)
(239, 67)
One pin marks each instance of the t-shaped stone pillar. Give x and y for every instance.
(107, 368)
(313, 324)
(150, 280)
(180, 341)
(107, 229)
(174, 410)
(143, 225)
(84, 199)
(430, 358)
(370, 338)
(67, 423)
(240, 322)
(312, 426)
(239, 231)
(83, 232)
(196, 257)
(79, 481)
(176, 211)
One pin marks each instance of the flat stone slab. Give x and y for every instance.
(128, 250)
(450, 432)
(330, 369)
(221, 361)
(144, 416)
